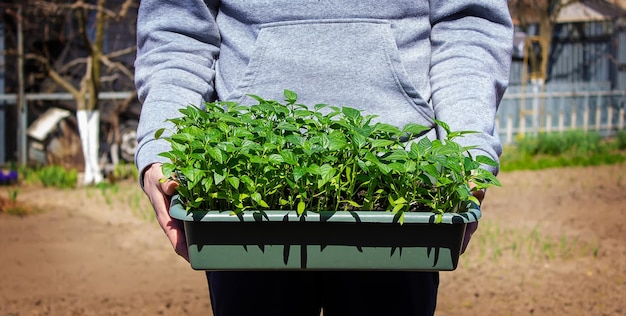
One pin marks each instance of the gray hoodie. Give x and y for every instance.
(407, 61)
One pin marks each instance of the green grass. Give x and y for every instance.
(126, 195)
(115, 192)
(571, 148)
(48, 176)
(58, 177)
(12, 206)
(620, 140)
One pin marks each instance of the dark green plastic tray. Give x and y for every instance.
(360, 240)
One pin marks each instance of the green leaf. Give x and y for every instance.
(289, 157)
(218, 177)
(449, 148)
(423, 145)
(169, 155)
(256, 197)
(410, 166)
(386, 128)
(415, 129)
(365, 131)
(353, 204)
(168, 169)
(190, 173)
(463, 191)
(484, 179)
(370, 157)
(234, 182)
(254, 159)
(298, 173)
(302, 113)
(438, 218)
(443, 125)
(318, 107)
(290, 96)
(242, 132)
(362, 165)
(486, 160)
(182, 138)
(257, 98)
(314, 169)
(197, 156)
(400, 200)
(336, 141)
(276, 159)
(158, 133)
(223, 127)
(215, 153)
(228, 147)
(401, 219)
(301, 207)
(247, 180)
(350, 113)
(207, 184)
(431, 170)
(295, 139)
(287, 127)
(268, 147)
(398, 167)
(398, 207)
(397, 155)
(385, 169)
(327, 173)
(381, 142)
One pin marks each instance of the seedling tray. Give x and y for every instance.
(347, 240)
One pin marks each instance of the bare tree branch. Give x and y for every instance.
(122, 52)
(55, 75)
(52, 7)
(125, 8)
(117, 65)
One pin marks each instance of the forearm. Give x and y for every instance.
(177, 45)
(471, 55)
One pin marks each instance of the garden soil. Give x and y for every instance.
(551, 242)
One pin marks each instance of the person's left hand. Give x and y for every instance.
(473, 226)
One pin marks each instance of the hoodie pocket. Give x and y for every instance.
(351, 62)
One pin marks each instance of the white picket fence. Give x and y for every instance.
(534, 112)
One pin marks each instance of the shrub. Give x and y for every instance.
(620, 139)
(558, 143)
(57, 176)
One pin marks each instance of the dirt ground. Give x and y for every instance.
(551, 242)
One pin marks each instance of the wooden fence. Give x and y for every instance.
(534, 112)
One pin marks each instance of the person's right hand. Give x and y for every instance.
(160, 194)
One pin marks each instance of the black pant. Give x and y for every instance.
(305, 293)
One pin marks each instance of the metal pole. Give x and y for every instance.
(21, 105)
(3, 105)
(536, 96)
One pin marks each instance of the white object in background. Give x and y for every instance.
(88, 127)
(45, 123)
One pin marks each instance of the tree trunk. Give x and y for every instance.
(89, 131)
(114, 138)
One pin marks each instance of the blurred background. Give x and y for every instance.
(79, 238)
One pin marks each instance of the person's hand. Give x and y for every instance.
(473, 226)
(160, 194)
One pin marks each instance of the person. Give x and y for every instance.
(406, 61)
